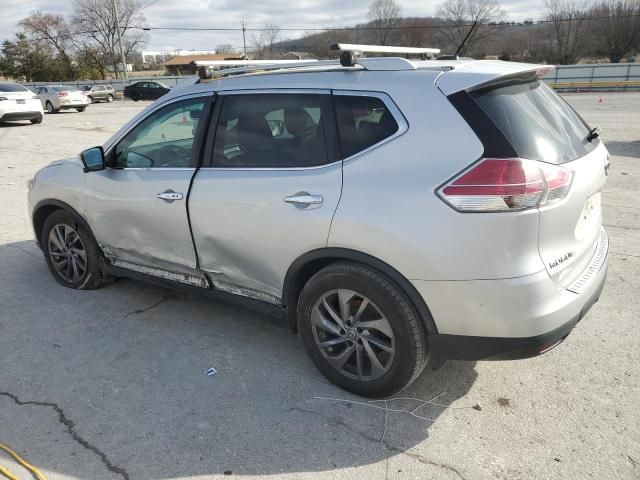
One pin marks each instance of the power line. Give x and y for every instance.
(526, 23)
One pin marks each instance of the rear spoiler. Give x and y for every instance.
(476, 75)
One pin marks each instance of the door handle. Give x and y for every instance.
(170, 196)
(304, 199)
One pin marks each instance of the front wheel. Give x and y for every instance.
(361, 331)
(109, 98)
(81, 109)
(72, 255)
(135, 96)
(37, 120)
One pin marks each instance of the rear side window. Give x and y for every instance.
(362, 122)
(536, 121)
(12, 87)
(274, 131)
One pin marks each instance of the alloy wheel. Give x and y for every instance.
(353, 334)
(67, 253)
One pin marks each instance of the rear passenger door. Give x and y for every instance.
(270, 189)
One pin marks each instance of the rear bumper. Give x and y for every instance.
(11, 116)
(69, 106)
(519, 319)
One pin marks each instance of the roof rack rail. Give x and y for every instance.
(224, 68)
(351, 52)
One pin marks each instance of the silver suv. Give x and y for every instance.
(397, 212)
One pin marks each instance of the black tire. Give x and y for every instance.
(135, 96)
(36, 121)
(109, 98)
(90, 98)
(411, 353)
(50, 109)
(94, 276)
(81, 109)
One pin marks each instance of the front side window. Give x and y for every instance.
(363, 122)
(165, 139)
(274, 131)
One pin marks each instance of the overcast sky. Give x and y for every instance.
(229, 13)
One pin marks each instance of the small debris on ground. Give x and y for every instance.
(477, 407)
(504, 402)
(212, 371)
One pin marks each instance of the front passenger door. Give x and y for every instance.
(137, 206)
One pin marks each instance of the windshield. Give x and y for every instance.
(12, 87)
(536, 121)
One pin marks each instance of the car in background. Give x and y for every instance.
(18, 103)
(146, 91)
(99, 93)
(62, 97)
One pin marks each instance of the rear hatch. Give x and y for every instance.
(70, 95)
(539, 125)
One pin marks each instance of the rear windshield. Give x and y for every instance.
(12, 87)
(537, 122)
(65, 88)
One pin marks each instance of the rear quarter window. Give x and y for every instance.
(536, 121)
(363, 122)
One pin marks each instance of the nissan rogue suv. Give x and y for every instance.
(396, 211)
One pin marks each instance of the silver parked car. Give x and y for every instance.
(62, 97)
(396, 211)
(99, 93)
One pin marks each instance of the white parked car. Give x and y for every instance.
(62, 97)
(18, 103)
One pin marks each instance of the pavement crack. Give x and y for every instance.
(390, 448)
(165, 298)
(70, 426)
(24, 250)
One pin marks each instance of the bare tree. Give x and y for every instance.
(94, 21)
(616, 28)
(54, 30)
(461, 15)
(264, 43)
(567, 30)
(383, 17)
(225, 48)
(417, 32)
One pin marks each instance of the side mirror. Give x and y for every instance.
(93, 159)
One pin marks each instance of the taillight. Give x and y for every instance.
(499, 184)
(62, 94)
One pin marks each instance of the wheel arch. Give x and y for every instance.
(306, 265)
(46, 207)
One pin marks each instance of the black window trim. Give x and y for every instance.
(198, 140)
(331, 137)
(401, 120)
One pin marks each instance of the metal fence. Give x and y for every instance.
(595, 77)
(565, 78)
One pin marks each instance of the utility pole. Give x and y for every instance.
(122, 57)
(244, 39)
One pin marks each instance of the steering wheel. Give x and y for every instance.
(168, 154)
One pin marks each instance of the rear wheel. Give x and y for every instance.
(90, 98)
(49, 107)
(81, 109)
(37, 120)
(72, 255)
(109, 98)
(361, 331)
